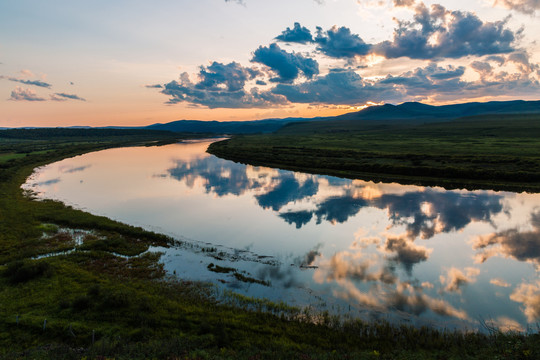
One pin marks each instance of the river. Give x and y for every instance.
(420, 255)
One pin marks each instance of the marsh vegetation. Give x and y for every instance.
(111, 298)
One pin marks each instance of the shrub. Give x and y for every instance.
(21, 271)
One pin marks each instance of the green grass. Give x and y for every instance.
(501, 152)
(92, 304)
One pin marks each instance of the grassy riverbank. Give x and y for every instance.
(493, 152)
(111, 299)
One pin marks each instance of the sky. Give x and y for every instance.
(136, 62)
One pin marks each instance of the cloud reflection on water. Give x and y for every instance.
(424, 213)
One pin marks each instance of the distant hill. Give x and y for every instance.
(406, 112)
(419, 111)
(227, 127)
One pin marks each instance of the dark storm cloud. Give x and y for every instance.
(154, 86)
(440, 33)
(63, 97)
(340, 43)
(287, 66)
(298, 34)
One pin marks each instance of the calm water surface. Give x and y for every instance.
(371, 250)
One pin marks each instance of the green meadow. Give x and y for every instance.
(101, 295)
(500, 152)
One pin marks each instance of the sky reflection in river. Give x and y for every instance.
(406, 252)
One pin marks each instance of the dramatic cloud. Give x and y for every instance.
(407, 253)
(426, 213)
(341, 43)
(349, 270)
(63, 97)
(286, 65)
(522, 60)
(288, 189)
(338, 209)
(482, 67)
(440, 33)
(298, 34)
(299, 218)
(404, 3)
(20, 94)
(210, 170)
(432, 82)
(28, 82)
(434, 33)
(343, 87)
(224, 77)
(354, 266)
(520, 245)
(216, 97)
(529, 296)
(455, 278)
(524, 6)
(413, 300)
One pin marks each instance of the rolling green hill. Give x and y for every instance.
(488, 151)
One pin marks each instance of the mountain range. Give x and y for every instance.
(406, 112)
